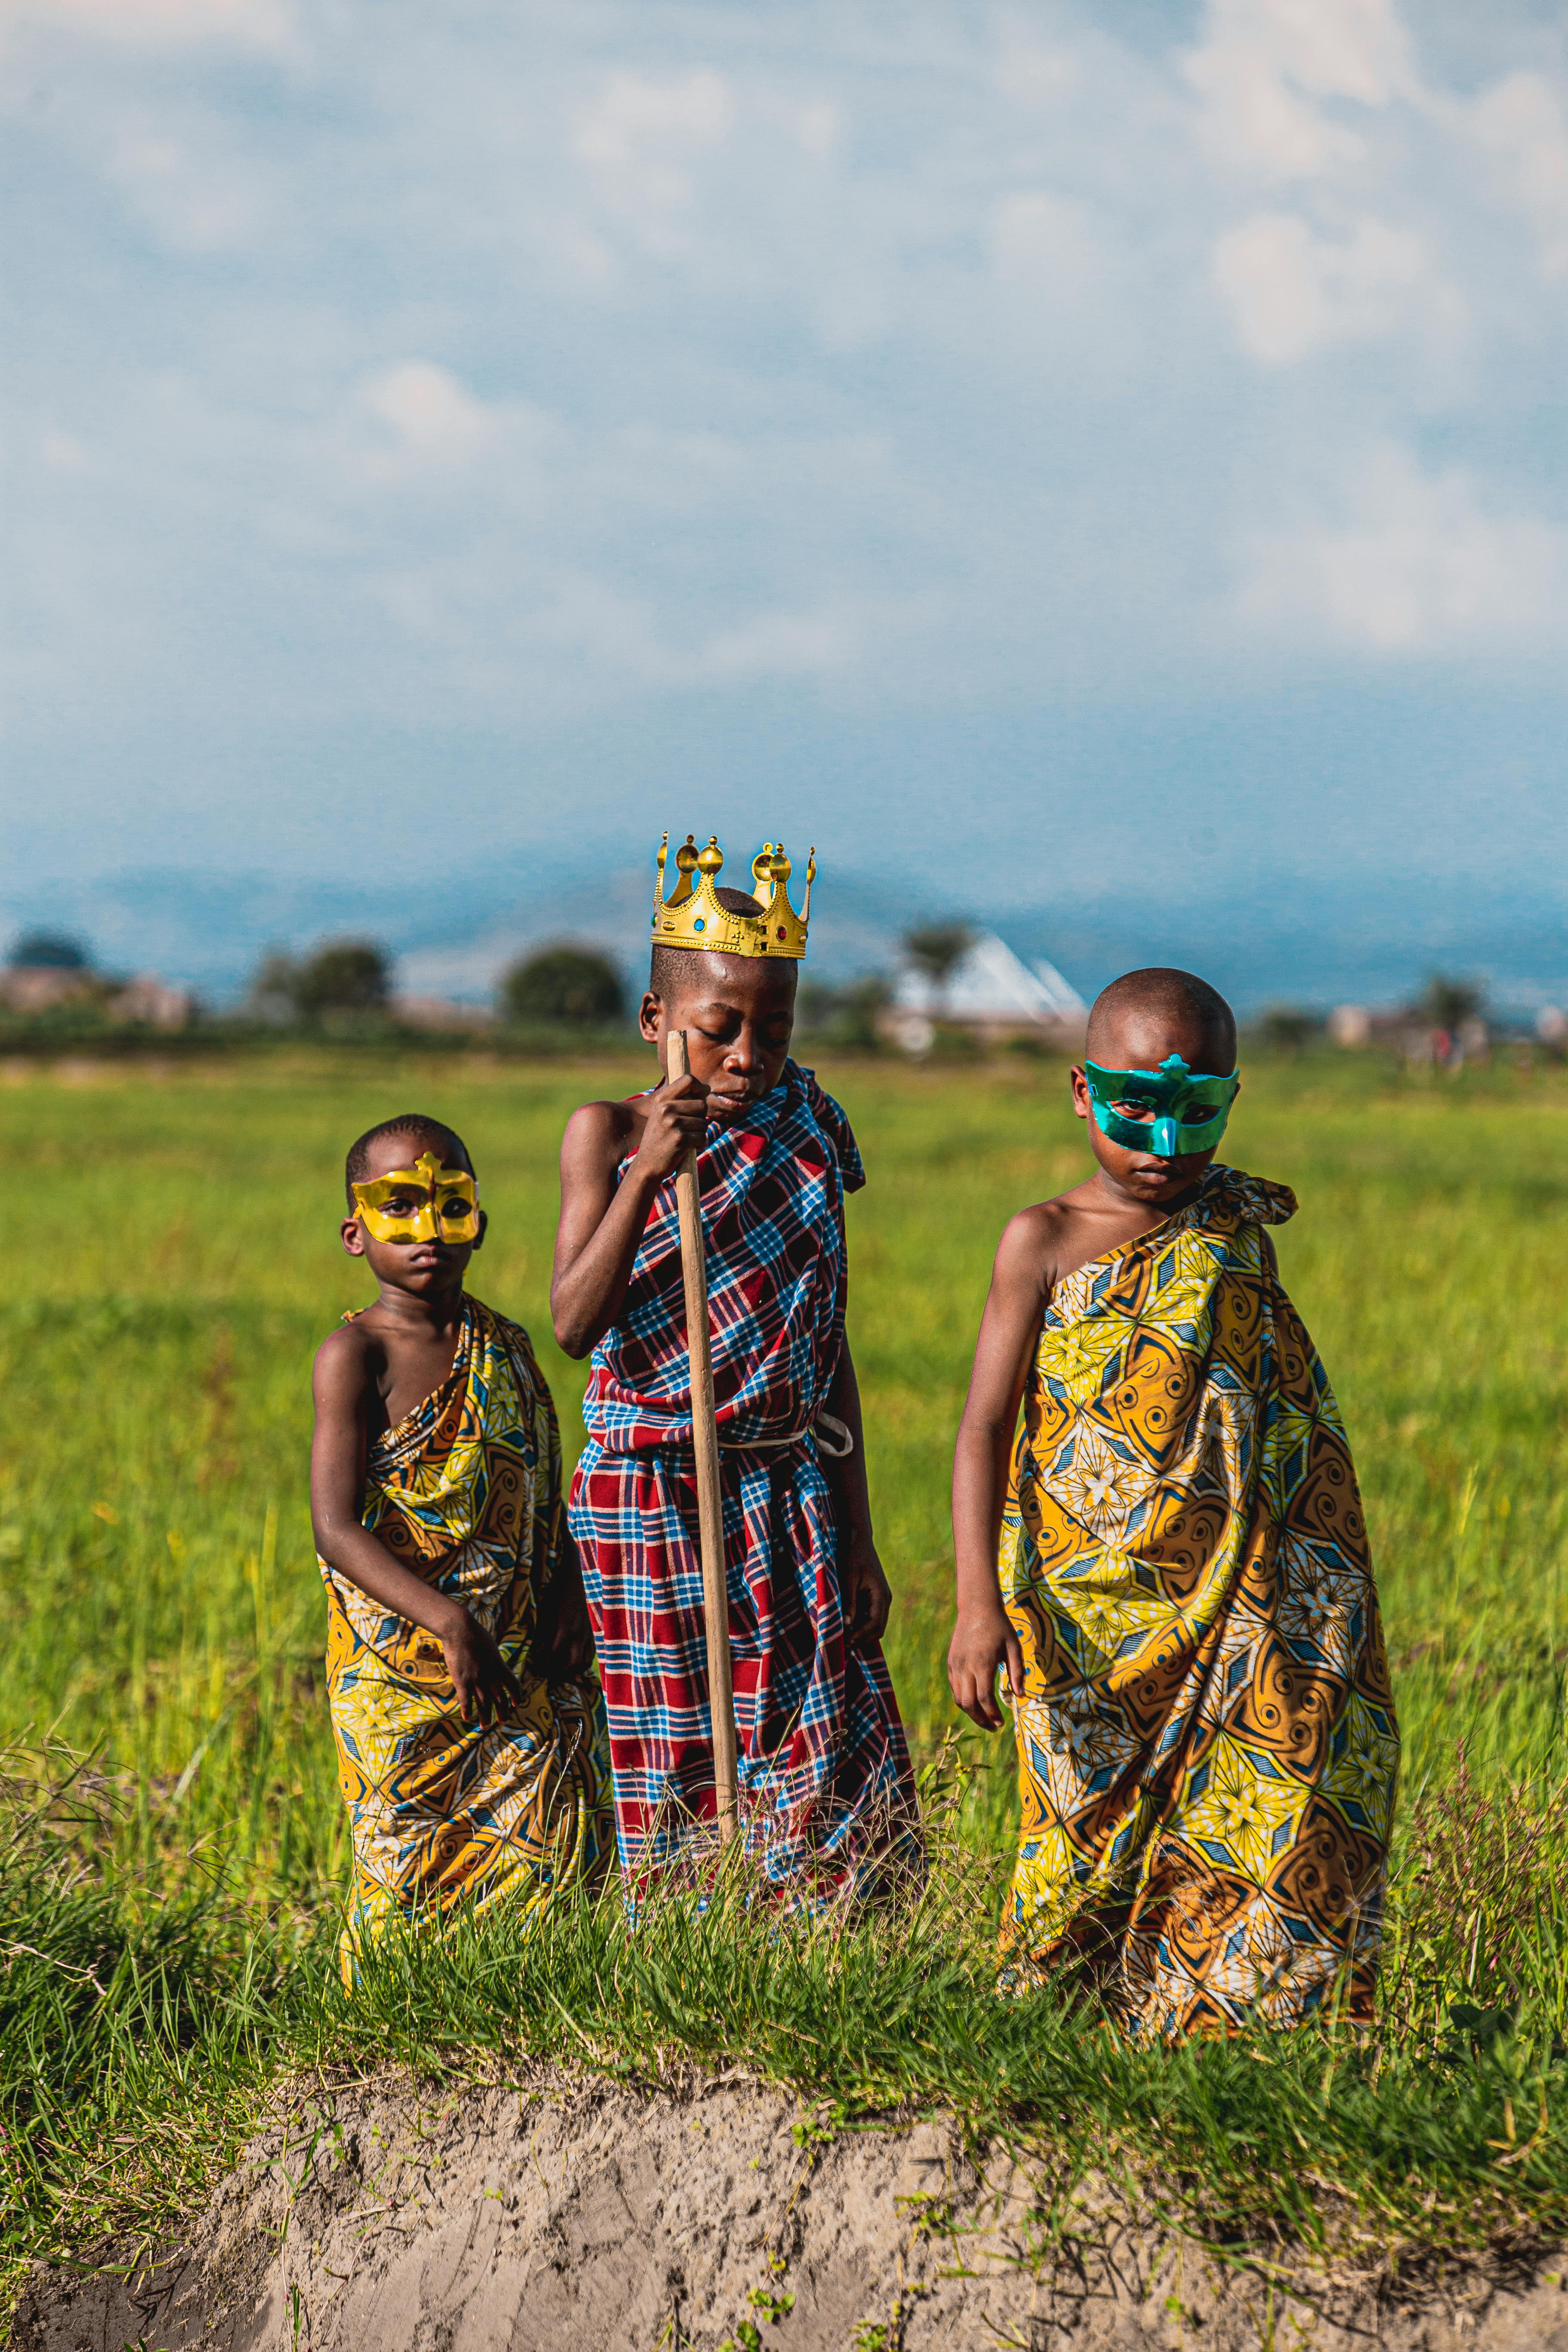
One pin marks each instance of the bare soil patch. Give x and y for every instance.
(584, 2216)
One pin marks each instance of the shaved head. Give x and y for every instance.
(413, 1127)
(1143, 1008)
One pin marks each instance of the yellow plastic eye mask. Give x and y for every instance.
(429, 1203)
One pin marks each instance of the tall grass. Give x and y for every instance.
(162, 1922)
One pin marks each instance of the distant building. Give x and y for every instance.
(35, 988)
(1351, 1025)
(991, 992)
(40, 987)
(440, 1012)
(153, 1003)
(1407, 1030)
(1473, 1042)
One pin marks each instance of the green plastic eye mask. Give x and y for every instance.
(1178, 1110)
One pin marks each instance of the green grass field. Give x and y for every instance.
(163, 1618)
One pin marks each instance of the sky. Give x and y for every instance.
(1080, 463)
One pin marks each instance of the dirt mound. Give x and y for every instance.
(579, 2216)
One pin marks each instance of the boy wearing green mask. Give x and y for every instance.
(1174, 1571)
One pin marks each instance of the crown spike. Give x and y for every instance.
(692, 916)
(810, 878)
(686, 862)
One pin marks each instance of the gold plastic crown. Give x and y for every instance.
(691, 915)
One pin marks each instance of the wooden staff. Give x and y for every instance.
(710, 1495)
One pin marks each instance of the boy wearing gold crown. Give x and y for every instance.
(826, 1799)
(470, 1730)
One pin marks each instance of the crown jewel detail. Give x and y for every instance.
(691, 915)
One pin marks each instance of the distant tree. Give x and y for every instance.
(846, 1016)
(1286, 1028)
(937, 949)
(48, 952)
(273, 995)
(575, 985)
(815, 1005)
(1448, 1004)
(343, 976)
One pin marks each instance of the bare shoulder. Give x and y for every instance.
(596, 1136)
(344, 1360)
(1036, 1245)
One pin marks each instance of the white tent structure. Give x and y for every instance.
(991, 990)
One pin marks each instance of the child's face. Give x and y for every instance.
(738, 1013)
(423, 1268)
(1140, 1040)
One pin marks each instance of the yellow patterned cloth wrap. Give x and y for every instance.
(465, 1491)
(1207, 1746)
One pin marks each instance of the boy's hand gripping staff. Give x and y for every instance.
(709, 1496)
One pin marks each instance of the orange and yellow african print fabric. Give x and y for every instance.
(465, 1491)
(1207, 1746)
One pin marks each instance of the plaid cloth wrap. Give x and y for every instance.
(826, 1788)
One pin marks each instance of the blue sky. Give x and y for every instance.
(1055, 455)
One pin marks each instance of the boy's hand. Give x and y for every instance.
(983, 1640)
(485, 1683)
(676, 1124)
(867, 1594)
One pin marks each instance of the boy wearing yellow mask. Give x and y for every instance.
(471, 1728)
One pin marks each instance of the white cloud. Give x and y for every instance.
(489, 631)
(430, 413)
(1518, 125)
(1043, 240)
(534, 358)
(156, 24)
(1410, 562)
(1033, 71)
(786, 645)
(1291, 292)
(641, 138)
(196, 196)
(638, 113)
(517, 588)
(818, 127)
(1263, 65)
(63, 451)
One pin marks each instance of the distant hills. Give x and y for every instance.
(1277, 940)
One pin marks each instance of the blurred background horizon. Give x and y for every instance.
(1095, 470)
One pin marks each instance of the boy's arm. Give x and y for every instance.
(983, 1637)
(865, 1594)
(484, 1682)
(602, 1222)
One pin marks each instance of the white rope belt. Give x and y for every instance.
(832, 1437)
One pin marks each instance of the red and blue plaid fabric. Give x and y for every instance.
(826, 1788)
(773, 1215)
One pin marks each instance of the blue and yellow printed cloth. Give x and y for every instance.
(465, 1491)
(1207, 1744)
